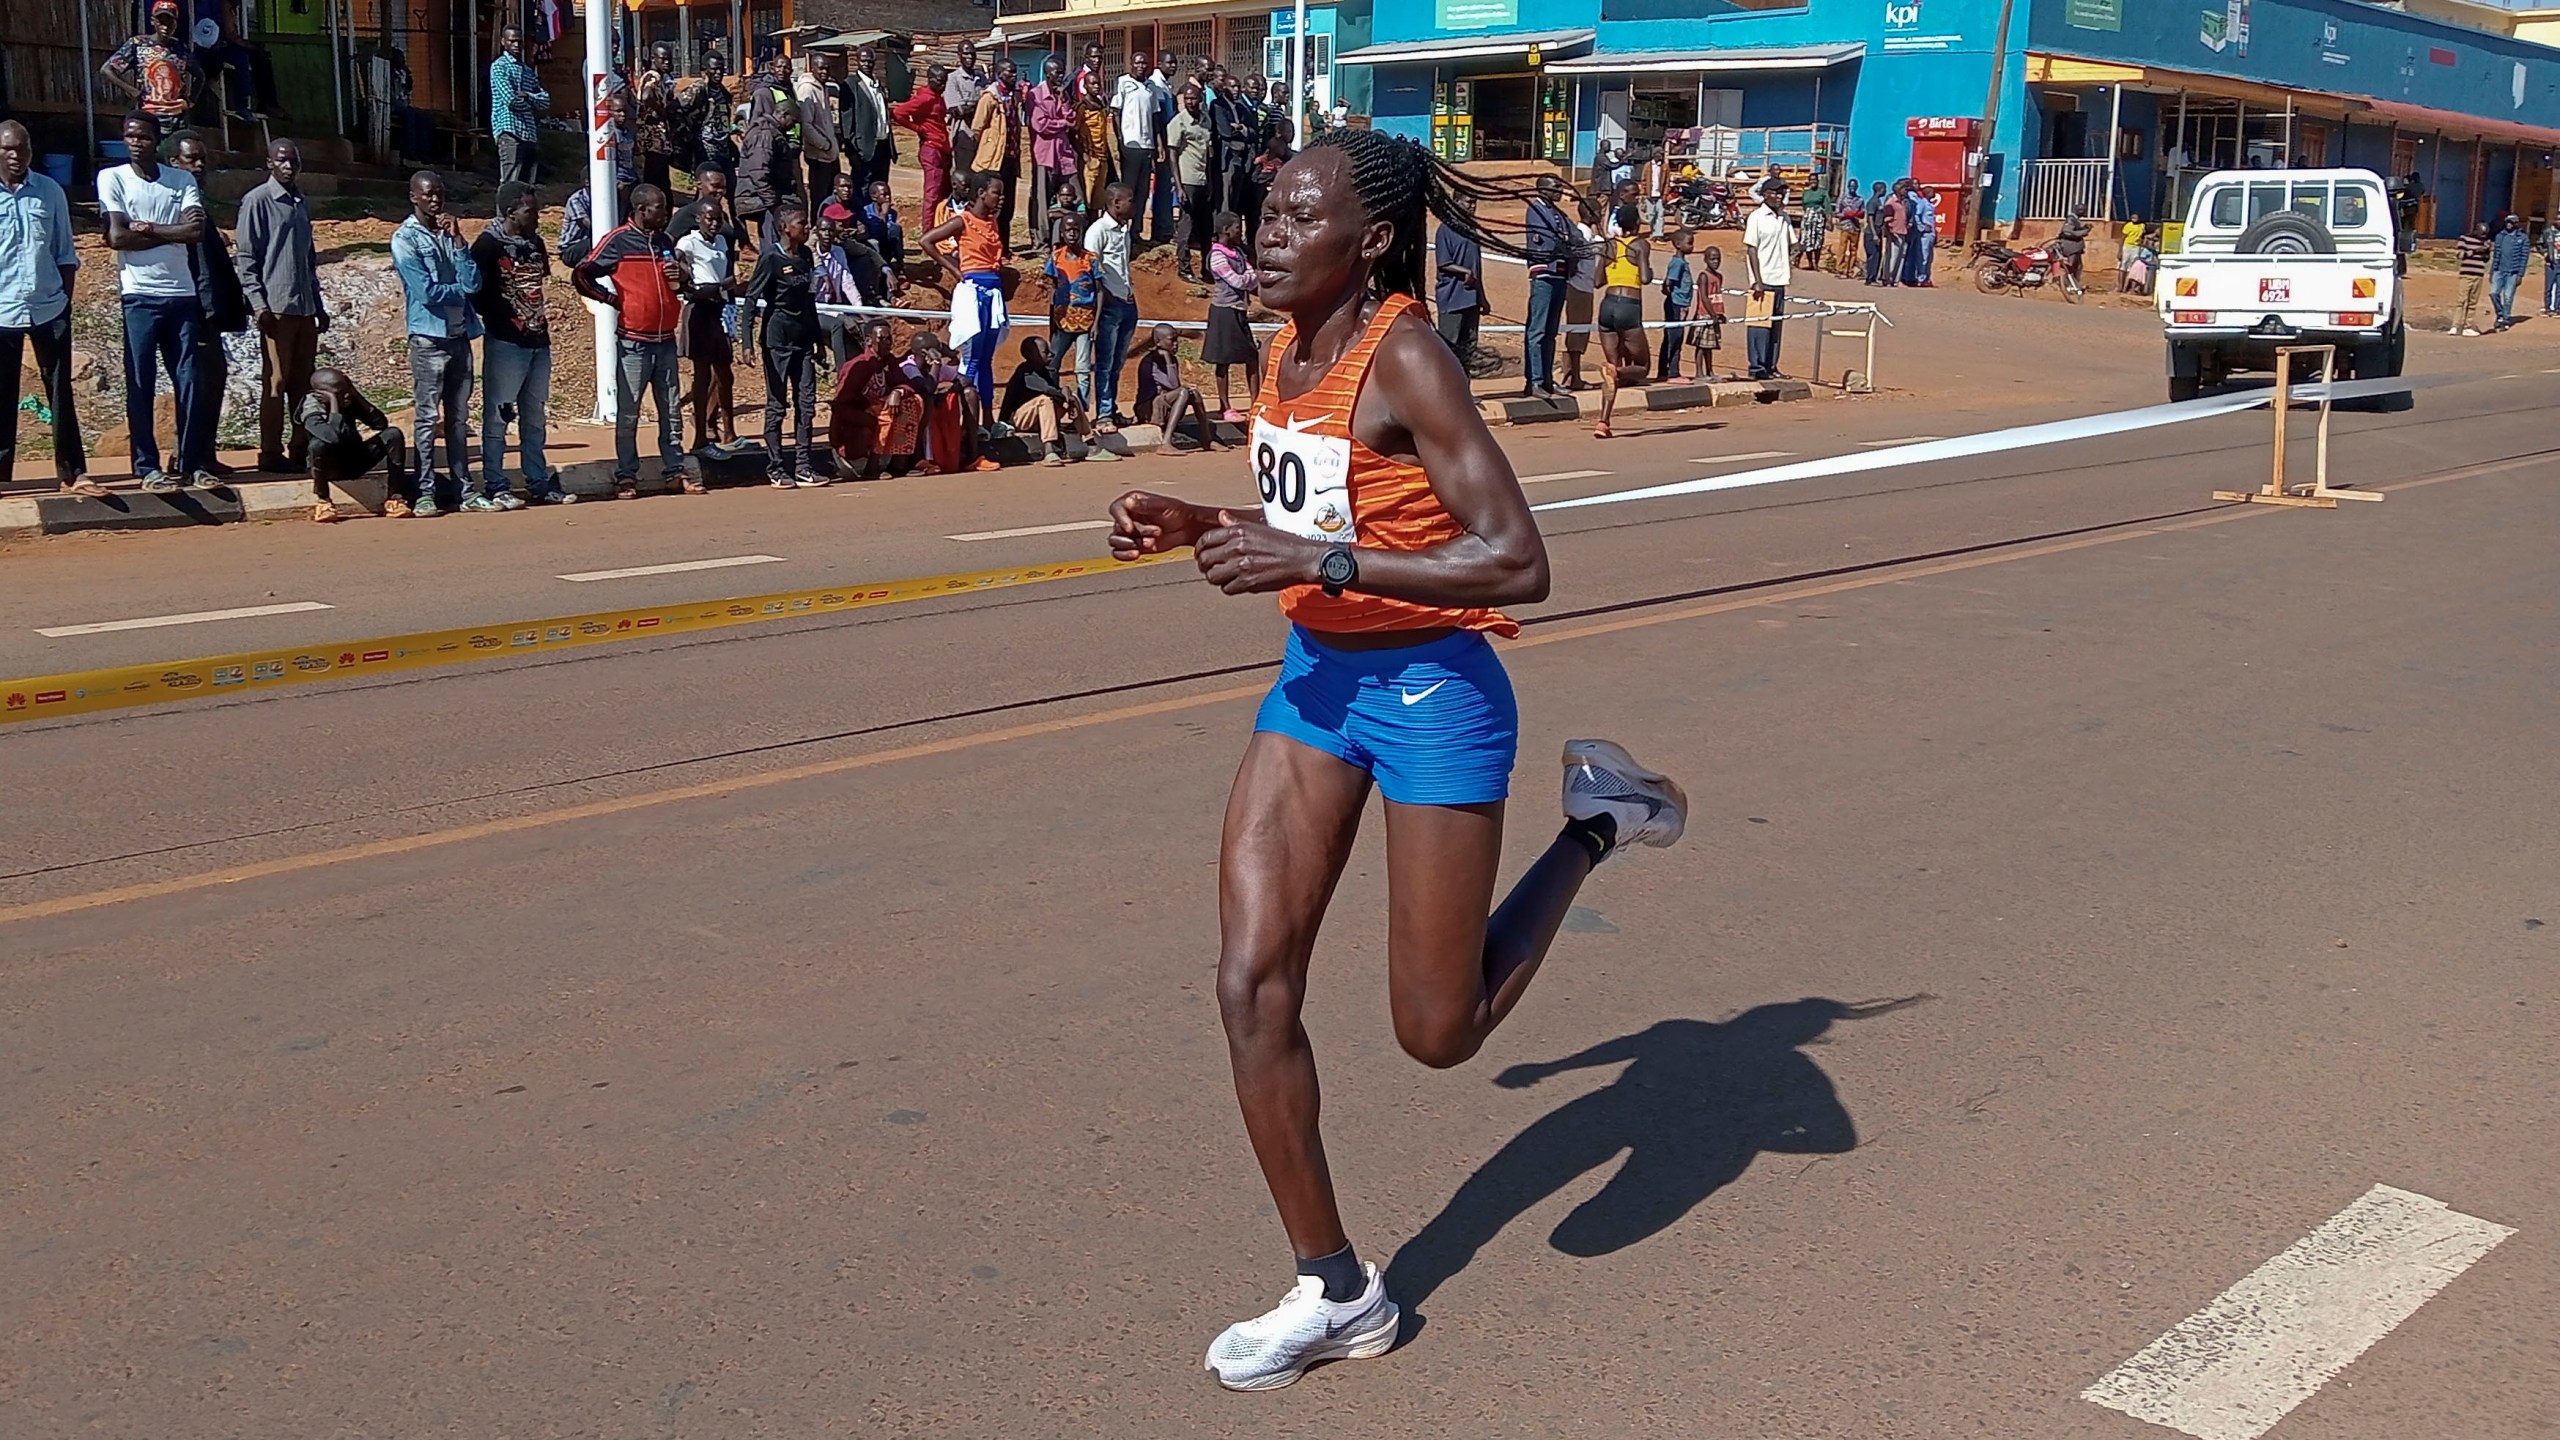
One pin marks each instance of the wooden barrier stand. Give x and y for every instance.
(2317, 495)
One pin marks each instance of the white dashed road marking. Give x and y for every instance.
(1563, 475)
(193, 617)
(2235, 1367)
(1742, 456)
(1905, 440)
(674, 568)
(1032, 530)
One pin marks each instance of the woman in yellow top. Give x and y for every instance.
(1629, 268)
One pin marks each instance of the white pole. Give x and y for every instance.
(600, 189)
(337, 66)
(2115, 142)
(1298, 72)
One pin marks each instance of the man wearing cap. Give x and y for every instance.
(158, 70)
(2508, 255)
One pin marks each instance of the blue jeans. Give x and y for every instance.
(645, 365)
(162, 332)
(2550, 288)
(1760, 342)
(1113, 329)
(440, 374)
(518, 379)
(2502, 294)
(1546, 318)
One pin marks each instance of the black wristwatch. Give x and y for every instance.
(1338, 570)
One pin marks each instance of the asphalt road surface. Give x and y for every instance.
(807, 1030)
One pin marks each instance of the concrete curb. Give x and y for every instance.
(1687, 395)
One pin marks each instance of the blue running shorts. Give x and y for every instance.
(1434, 724)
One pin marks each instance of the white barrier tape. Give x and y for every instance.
(1991, 442)
(1820, 312)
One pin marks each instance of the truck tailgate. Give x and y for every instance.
(2324, 292)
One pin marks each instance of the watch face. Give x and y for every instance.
(1337, 567)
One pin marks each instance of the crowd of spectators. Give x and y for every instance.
(786, 246)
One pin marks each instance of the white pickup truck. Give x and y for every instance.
(2283, 257)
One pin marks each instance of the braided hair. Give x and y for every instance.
(1396, 180)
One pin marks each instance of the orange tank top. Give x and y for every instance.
(1319, 481)
(981, 244)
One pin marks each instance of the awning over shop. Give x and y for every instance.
(1549, 43)
(1662, 62)
(2047, 69)
(2420, 117)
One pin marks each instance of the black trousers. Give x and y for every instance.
(52, 340)
(1458, 327)
(792, 371)
(1199, 228)
(822, 183)
(1137, 163)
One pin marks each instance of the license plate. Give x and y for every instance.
(2275, 291)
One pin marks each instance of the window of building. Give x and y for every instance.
(1242, 52)
(1190, 39)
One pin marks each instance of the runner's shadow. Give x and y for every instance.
(1697, 1102)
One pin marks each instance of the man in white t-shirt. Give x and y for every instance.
(1133, 121)
(1116, 323)
(153, 213)
(1768, 248)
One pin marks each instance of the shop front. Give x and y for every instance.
(1479, 98)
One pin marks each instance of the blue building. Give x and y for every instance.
(2112, 106)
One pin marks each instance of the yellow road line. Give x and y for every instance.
(514, 824)
(84, 692)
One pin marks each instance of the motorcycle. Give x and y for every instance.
(1703, 204)
(1996, 267)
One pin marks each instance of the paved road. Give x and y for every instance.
(808, 1031)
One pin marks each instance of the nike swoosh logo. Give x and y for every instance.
(1416, 697)
(1652, 807)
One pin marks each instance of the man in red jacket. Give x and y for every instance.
(639, 259)
(925, 113)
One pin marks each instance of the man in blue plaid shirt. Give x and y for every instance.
(515, 97)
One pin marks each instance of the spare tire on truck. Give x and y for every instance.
(2286, 232)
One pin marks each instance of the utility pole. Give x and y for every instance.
(600, 190)
(1971, 224)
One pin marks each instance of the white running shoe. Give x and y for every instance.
(1601, 778)
(1273, 1350)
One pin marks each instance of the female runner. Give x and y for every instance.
(1391, 524)
(1623, 277)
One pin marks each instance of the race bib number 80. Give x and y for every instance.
(1305, 481)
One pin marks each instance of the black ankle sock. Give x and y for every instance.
(1599, 834)
(1340, 1272)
